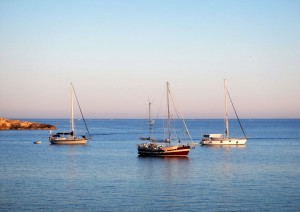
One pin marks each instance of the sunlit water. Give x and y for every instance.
(107, 175)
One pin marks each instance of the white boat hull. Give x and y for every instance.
(68, 141)
(227, 141)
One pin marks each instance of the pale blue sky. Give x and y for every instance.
(120, 53)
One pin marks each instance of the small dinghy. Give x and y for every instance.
(37, 142)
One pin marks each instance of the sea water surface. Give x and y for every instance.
(106, 174)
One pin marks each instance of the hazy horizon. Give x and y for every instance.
(119, 54)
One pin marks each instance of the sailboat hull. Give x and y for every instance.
(173, 151)
(80, 141)
(229, 141)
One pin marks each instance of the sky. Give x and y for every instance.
(120, 53)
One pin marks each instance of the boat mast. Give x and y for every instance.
(72, 112)
(169, 121)
(226, 112)
(150, 120)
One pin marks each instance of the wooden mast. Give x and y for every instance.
(226, 112)
(150, 120)
(72, 112)
(169, 121)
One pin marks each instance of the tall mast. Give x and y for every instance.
(150, 120)
(169, 121)
(226, 112)
(72, 111)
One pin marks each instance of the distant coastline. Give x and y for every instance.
(9, 124)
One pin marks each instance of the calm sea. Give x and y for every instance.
(107, 175)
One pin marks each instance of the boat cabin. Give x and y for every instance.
(59, 134)
(212, 136)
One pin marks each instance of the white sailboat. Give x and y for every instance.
(225, 139)
(70, 138)
(165, 147)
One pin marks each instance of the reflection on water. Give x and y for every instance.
(226, 147)
(227, 158)
(166, 167)
(72, 170)
(170, 158)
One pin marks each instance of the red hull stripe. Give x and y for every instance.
(184, 152)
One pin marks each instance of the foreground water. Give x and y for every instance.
(107, 175)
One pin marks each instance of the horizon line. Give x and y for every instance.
(132, 118)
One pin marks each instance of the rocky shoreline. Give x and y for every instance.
(7, 124)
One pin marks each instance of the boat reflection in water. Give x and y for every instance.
(172, 166)
(225, 147)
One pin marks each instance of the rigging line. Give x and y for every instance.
(177, 113)
(164, 127)
(145, 125)
(183, 132)
(174, 123)
(160, 111)
(181, 116)
(81, 111)
(236, 114)
(175, 128)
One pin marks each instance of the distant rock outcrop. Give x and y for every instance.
(6, 124)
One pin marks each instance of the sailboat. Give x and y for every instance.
(225, 139)
(70, 138)
(156, 148)
(150, 123)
